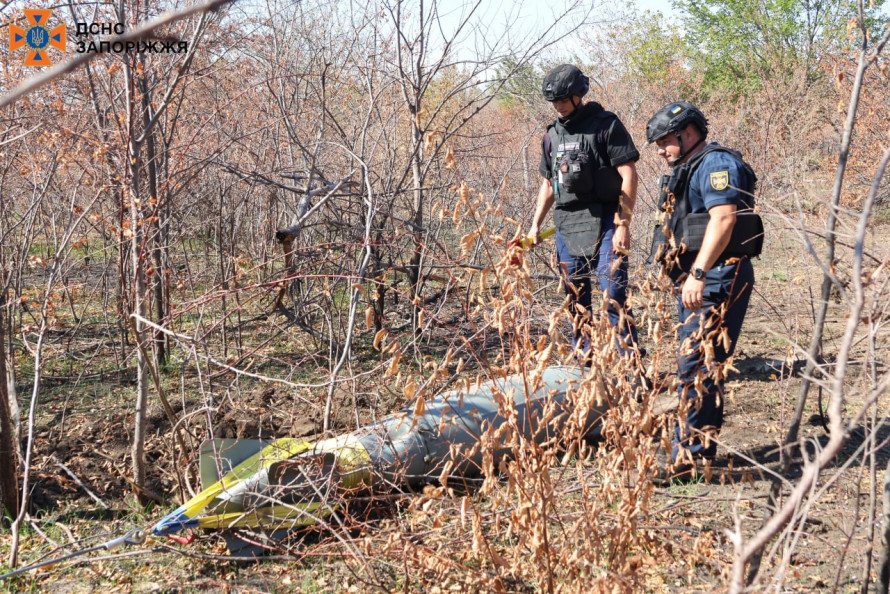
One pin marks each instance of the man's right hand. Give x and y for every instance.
(534, 234)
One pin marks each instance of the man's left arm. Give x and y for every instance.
(717, 235)
(626, 202)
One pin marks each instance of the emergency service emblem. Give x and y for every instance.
(37, 38)
(720, 180)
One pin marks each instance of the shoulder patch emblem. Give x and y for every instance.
(720, 180)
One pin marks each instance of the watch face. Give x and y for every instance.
(698, 273)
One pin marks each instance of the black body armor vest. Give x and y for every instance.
(579, 161)
(585, 185)
(684, 231)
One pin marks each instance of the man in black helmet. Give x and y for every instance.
(707, 238)
(588, 162)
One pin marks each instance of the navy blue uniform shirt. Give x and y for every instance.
(716, 181)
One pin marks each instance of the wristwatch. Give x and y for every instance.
(698, 273)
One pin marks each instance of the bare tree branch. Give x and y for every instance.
(142, 32)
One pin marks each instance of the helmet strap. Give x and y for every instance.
(574, 108)
(683, 153)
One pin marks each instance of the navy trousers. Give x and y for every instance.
(725, 301)
(579, 274)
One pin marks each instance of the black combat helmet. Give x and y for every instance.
(564, 81)
(673, 117)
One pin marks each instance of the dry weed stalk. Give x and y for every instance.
(563, 515)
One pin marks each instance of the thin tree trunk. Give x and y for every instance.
(138, 305)
(9, 495)
(526, 182)
(884, 564)
(10, 379)
(137, 451)
(159, 246)
(353, 303)
(828, 281)
(417, 256)
(412, 88)
(29, 445)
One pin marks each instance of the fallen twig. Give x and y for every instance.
(79, 482)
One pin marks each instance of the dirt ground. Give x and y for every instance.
(81, 486)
